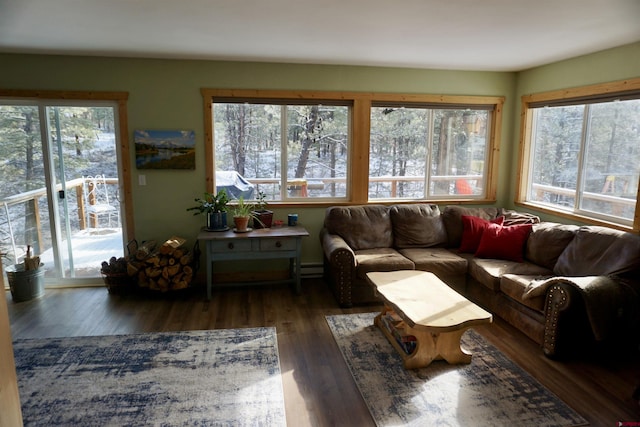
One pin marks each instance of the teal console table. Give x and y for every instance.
(265, 243)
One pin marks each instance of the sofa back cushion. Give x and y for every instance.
(547, 241)
(599, 251)
(452, 218)
(417, 225)
(362, 227)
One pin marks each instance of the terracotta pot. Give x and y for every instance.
(241, 222)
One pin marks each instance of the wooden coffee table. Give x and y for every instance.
(426, 315)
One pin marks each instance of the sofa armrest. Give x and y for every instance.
(332, 245)
(558, 304)
(580, 310)
(339, 266)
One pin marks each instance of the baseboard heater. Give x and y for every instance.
(311, 270)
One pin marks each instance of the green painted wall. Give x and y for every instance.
(165, 94)
(606, 66)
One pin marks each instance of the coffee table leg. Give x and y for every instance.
(426, 346)
(422, 356)
(430, 346)
(435, 346)
(449, 348)
(426, 350)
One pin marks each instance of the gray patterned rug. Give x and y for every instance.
(491, 391)
(198, 378)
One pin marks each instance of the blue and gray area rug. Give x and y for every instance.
(490, 391)
(197, 378)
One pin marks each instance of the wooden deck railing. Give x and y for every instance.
(321, 183)
(33, 198)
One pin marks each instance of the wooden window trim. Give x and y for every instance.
(360, 128)
(580, 95)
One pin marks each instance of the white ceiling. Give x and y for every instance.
(492, 35)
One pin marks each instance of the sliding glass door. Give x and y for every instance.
(61, 184)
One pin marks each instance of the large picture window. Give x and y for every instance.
(308, 147)
(423, 152)
(583, 154)
(256, 142)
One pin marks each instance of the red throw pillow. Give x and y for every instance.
(506, 243)
(472, 229)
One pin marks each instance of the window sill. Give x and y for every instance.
(582, 219)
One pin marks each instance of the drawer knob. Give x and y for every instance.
(278, 244)
(230, 245)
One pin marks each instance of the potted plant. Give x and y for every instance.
(262, 216)
(215, 208)
(242, 213)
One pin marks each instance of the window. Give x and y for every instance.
(351, 147)
(583, 153)
(423, 152)
(255, 142)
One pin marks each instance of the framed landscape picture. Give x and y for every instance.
(165, 149)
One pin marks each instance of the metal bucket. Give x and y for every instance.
(26, 284)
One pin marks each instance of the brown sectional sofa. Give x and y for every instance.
(574, 284)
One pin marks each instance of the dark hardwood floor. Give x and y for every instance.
(318, 387)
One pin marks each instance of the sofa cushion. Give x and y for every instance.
(449, 267)
(472, 229)
(417, 225)
(381, 259)
(489, 271)
(547, 241)
(362, 227)
(514, 286)
(599, 251)
(504, 242)
(452, 218)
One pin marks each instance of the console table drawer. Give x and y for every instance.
(277, 244)
(237, 245)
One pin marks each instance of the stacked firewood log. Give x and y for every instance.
(167, 267)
